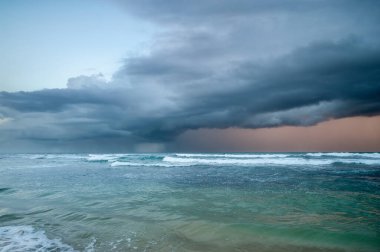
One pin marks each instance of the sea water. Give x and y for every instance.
(190, 202)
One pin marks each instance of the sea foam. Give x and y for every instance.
(26, 238)
(232, 155)
(104, 157)
(157, 164)
(344, 154)
(263, 159)
(246, 161)
(193, 159)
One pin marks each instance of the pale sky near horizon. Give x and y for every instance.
(44, 42)
(125, 75)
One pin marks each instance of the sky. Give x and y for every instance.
(189, 76)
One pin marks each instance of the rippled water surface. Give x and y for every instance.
(190, 202)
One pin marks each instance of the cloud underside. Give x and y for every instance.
(258, 65)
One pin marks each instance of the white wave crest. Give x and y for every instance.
(252, 161)
(264, 161)
(231, 155)
(120, 163)
(104, 157)
(26, 238)
(344, 154)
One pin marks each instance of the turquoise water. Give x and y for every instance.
(190, 202)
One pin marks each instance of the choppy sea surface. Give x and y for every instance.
(190, 202)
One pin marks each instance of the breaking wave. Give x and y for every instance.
(222, 159)
(162, 164)
(263, 161)
(233, 155)
(344, 154)
(192, 159)
(26, 238)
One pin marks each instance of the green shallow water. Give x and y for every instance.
(73, 203)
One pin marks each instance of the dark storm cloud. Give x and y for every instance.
(313, 84)
(217, 64)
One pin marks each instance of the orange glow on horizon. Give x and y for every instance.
(348, 134)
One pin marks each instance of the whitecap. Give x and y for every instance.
(26, 238)
(104, 157)
(120, 163)
(232, 155)
(263, 161)
(344, 154)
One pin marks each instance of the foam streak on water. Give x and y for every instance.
(189, 159)
(26, 238)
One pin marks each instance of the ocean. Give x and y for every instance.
(190, 202)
